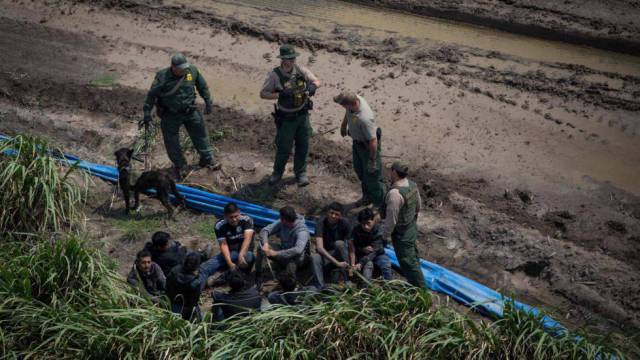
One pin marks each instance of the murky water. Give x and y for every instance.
(316, 13)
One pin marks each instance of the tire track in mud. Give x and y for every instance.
(500, 238)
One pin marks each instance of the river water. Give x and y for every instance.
(317, 13)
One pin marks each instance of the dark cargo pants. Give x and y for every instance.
(296, 130)
(194, 124)
(404, 244)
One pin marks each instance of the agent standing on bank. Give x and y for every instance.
(292, 85)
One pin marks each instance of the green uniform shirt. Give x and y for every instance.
(184, 96)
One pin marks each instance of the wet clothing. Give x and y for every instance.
(174, 98)
(234, 234)
(292, 117)
(402, 205)
(167, 260)
(362, 129)
(151, 283)
(183, 289)
(321, 264)
(330, 233)
(232, 303)
(362, 239)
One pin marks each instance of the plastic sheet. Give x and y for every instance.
(437, 278)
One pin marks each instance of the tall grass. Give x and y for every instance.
(65, 301)
(37, 193)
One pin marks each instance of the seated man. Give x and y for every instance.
(185, 282)
(332, 232)
(147, 276)
(235, 236)
(293, 250)
(165, 252)
(288, 295)
(239, 300)
(366, 247)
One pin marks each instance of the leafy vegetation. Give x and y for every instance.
(37, 193)
(66, 301)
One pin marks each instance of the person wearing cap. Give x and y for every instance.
(359, 123)
(291, 85)
(400, 212)
(173, 94)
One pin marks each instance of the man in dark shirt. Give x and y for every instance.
(239, 300)
(289, 294)
(366, 247)
(147, 276)
(185, 282)
(332, 232)
(235, 236)
(165, 252)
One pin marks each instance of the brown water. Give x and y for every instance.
(317, 13)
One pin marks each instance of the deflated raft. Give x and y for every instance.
(437, 278)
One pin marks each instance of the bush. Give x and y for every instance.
(65, 301)
(36, 192)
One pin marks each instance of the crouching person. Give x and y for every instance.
(289, 293)
(185, 284)
(332, 232)
(239, 300)
(293, 250)
(235, 236)
(147, 277)
(366, 247)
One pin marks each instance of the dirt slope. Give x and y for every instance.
(528, 169)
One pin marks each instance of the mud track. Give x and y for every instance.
(611, 25)
(573, 251)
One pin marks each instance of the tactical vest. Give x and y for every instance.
(298, 84)
(407, 214)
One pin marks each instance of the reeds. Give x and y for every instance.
(37, 193)
(65, 301)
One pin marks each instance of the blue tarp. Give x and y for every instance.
(437, 278)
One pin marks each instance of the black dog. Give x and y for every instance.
(161, 182)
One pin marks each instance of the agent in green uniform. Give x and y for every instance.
(359, 123)
(400, 211)
(173, 93)
(292, 85)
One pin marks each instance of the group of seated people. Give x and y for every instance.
(167, 268)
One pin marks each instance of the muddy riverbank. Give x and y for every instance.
(528, 168)
(610, 25)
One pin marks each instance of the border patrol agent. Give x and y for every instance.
(359, 123)
(400, 211)
(173, 94)
(292, 85)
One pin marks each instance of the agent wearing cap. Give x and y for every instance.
(400, 212)
(359, 123)
(292, 85)
(173, 94)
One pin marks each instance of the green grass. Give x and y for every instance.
(104, 80)
(138, 229)
(66, 301)
(205, 228)
(38, 194)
